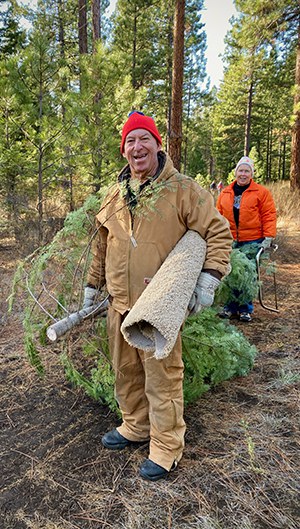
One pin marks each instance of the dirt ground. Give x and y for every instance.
(241, 466)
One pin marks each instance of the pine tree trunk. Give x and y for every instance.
(134, 47)
(61, 29)
(248, 121)
(187, 126)
(295, 159)
(66, 165)
(40, 162)
(284, 158)
(82, 35)
(268, 161)
(96, 22)
(177, 85)
(280, 147)
(40, 195)
(97, 154)
(170, 39)
(269, 174)
(211, 167)
(82, 27)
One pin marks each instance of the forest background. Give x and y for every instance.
(71, 75)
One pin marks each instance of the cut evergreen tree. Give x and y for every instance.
(241, 285)
(53, 279)
(213, 351)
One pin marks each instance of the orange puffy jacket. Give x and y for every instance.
(257, 216)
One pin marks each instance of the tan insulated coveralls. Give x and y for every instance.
(127, 252)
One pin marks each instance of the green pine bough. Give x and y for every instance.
(241, 285)
(213, 351)
(53, 278)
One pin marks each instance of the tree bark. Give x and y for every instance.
(61, 29)
(61, 327)
(211, 167)
(170, 38)
(284, 158)
(187, 127)
(295, 148)
(269, 174)
(133, 75)
(97, 152)
(175, 132)
(248, 120)
(82, 27)
(66, 166)
(269, 148)
(96, 16)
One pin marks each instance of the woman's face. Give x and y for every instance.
(243, 175)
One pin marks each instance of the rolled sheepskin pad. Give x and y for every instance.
(154, 321)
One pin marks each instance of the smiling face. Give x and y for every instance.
(140, 150)
(243, 175)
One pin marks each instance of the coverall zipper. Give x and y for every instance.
(133, 241)
(134, 244)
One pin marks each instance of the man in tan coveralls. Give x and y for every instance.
(132, 242)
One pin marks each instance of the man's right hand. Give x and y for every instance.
(90, 294)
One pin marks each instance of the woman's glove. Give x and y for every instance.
(204, 293)
(90, 294)
(267, 242)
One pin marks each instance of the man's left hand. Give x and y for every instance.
(90, 294)
(204, 293)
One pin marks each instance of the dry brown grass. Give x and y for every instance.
(287, 204)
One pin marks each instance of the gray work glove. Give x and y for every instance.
(267, 243)
(204, 293)
(90, 294)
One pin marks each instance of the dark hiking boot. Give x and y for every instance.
(113, 440)
(153, 472)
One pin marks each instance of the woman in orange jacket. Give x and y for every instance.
(249, 207)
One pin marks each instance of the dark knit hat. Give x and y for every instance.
(138, 120)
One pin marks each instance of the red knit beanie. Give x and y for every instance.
(138, 120)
